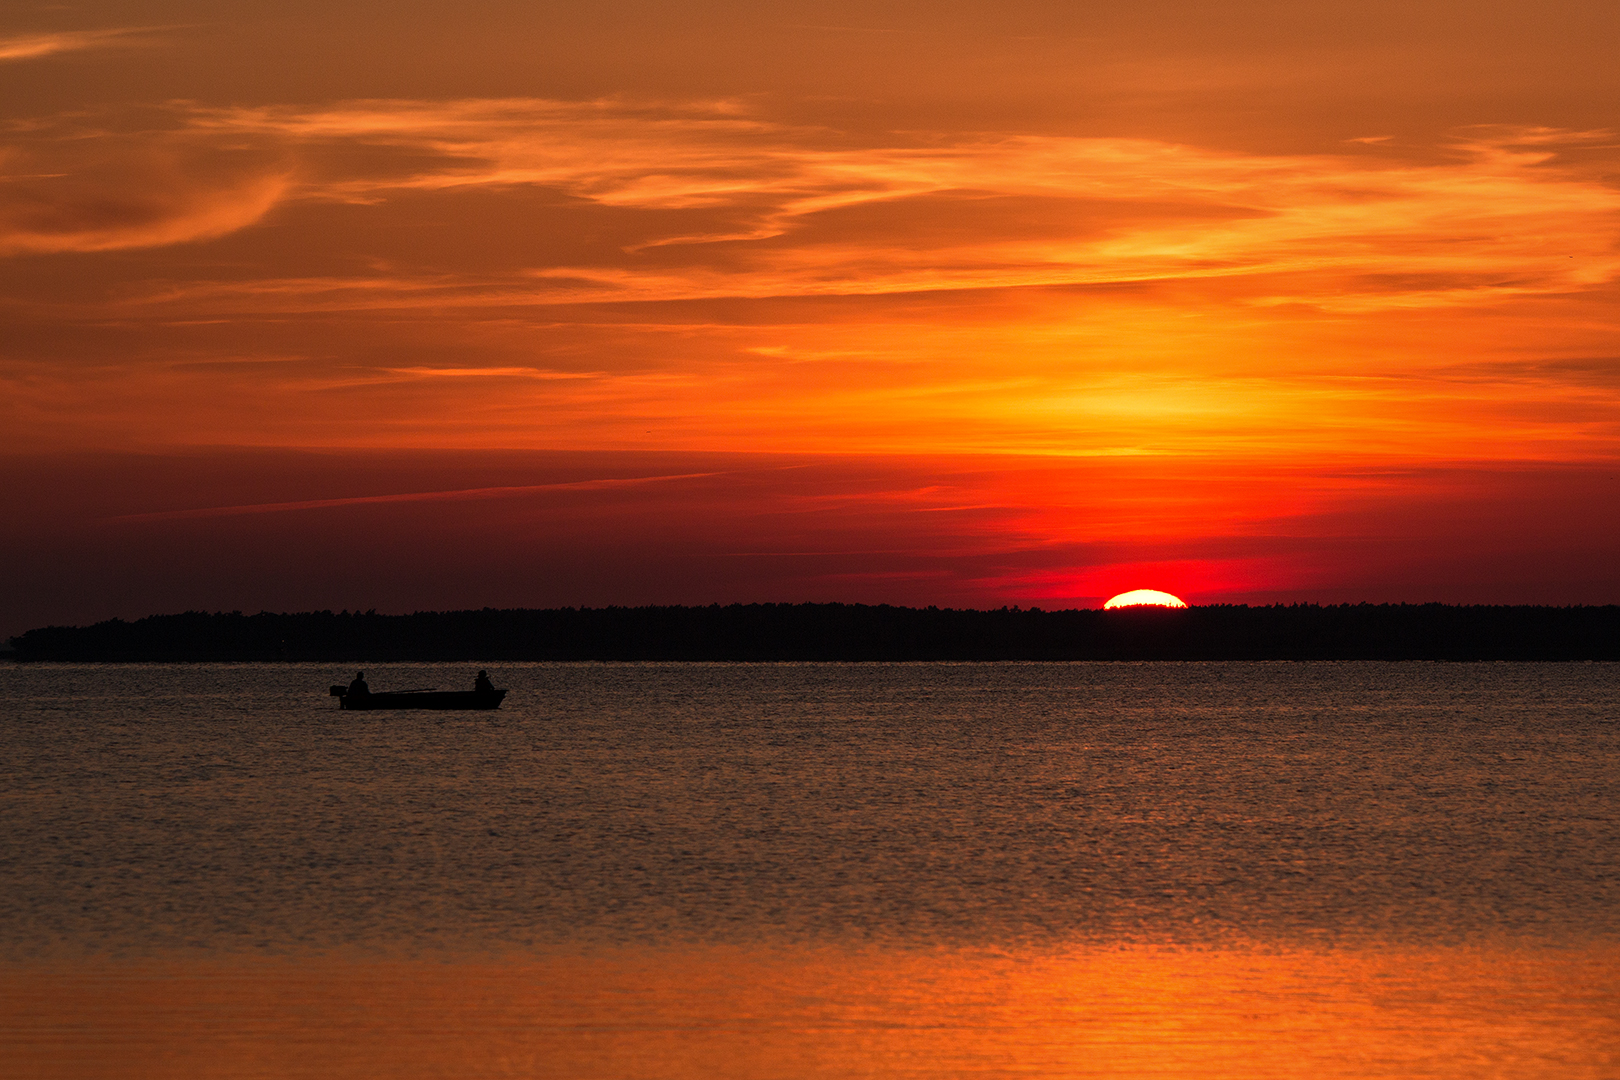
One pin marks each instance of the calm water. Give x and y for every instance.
(814, 870)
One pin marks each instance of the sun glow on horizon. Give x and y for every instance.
(1144, 598)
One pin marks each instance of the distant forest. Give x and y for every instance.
(764, 632)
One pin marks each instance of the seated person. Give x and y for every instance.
(358, 688)
(482, 685)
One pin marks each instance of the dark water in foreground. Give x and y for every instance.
(814, 870)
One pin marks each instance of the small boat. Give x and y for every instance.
(420, 699)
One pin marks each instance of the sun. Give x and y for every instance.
(1144, 598)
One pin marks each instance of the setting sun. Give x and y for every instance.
(1144, 598)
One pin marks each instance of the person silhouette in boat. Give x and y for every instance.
(358, 688)
(482, 686)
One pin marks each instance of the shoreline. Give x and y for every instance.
(787, 633)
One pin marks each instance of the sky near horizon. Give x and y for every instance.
(424, 305)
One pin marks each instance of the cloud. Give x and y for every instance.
(457, 495)
(72, 186)
(490, 373)
(720, 203)
(462, 273)
(34, 46)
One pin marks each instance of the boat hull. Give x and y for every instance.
(425, 699)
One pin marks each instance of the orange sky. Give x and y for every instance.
(957, 303)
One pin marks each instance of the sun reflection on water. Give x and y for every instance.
(728, 1012)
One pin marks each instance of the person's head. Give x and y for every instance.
(359, 674)
(483, 674)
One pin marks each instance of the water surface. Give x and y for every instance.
(814, 870)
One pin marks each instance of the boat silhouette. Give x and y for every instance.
(422, 698)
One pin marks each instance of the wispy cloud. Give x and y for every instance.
(457, 495)
(35, 46)
(78, 185)
(491, 373)
(464, 269)
(767, 209)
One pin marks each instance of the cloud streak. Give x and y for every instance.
(538, 273)
(76, 186)
(1498, 217)
(458, 495)
(723, 204)
(36, 46)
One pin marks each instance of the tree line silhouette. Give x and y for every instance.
(780, 632)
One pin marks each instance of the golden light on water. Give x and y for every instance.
(1144, 598)
(734, 1014)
